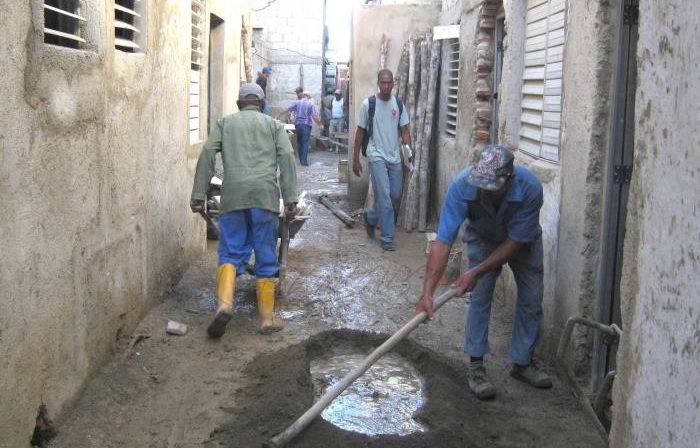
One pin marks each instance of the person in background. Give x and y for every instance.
(261, 80)
(337, 114)
(499, 204)
(389, 130)
(253, 148)
(304, 112)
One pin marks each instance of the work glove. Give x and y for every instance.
(291, 210)
(197, 205)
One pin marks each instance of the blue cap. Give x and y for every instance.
(266, 69)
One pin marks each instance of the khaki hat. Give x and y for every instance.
(251, 88)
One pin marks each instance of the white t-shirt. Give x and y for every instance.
(385, 142)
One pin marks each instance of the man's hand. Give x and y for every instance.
(291, 210)
(357, 167)
(425, 303)
(466, 282)
(197, 205)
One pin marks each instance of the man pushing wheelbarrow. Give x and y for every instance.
(253, 146)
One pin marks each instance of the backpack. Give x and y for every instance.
(370, 121)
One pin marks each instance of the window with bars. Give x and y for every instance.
(63, 24)
(540, 120)
(127, 32)
(452, 48)
(195, 68)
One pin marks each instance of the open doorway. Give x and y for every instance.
(215, 93)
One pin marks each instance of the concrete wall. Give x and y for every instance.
(293, 44)
(658, 389)
(370, 23)
(96, 172)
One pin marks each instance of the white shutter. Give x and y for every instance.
(540, 120)
(126, 25)
(452, 86)
(63, 25)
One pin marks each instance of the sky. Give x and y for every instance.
(338, 16)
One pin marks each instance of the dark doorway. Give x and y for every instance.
(617, 190)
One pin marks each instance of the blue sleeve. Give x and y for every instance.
(455, 210)
(364, 112)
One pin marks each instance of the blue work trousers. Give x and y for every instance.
(527, 268)
(387, 184)
(303, 138)
(251, 229)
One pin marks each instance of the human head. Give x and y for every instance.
(338, 93)
(266, 71)
(299, 91)
(492, 169)
(250, 94)
(385, 81)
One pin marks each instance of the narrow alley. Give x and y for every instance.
(161, 390)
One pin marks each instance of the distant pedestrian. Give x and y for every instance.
(337, 122)
(261, 80)
(304, 112)
(253, 148)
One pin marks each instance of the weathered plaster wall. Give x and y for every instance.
(293, 40)
(657, 392)
(370, 23)
(96, 172)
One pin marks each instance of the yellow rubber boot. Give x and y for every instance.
(225, 287)
(265, 288)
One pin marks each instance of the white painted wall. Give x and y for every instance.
(96, 171)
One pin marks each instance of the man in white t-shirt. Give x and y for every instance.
(389, 131)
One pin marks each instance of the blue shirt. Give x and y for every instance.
(517, 218)
(303, 110)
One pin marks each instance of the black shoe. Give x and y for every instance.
(217, 327)
(388, 246)
(368, 227)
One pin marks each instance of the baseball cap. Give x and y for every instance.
(266, 69)
(251, 88)
(337, 91)
(491, 169)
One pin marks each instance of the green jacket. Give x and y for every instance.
(252, 147)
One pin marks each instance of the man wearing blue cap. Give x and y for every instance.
(261, 80)
(499, 204)
(253, 148)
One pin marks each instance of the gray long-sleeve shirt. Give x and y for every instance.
(252, 147)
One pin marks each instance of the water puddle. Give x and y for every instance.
(383, 401)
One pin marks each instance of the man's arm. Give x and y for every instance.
(405, 135)
(503, 253)
(434, 268)
(356, 165)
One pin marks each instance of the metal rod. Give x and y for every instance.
(336, 389)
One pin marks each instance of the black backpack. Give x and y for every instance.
(370, 121)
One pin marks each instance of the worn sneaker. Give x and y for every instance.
(368, 227)
(532, 374)
(388, 246)
(479, 383)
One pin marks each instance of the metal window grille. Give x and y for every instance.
(126, 21)
(63, 25)
(540, 120)
(452, 86)
(195, 69)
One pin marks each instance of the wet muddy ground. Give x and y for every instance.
(344, 293)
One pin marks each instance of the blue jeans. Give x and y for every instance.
(303, 136)
(527, 267)
(243, 230)
(387, 183)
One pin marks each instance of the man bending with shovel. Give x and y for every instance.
(253, 146)
(499, 204)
